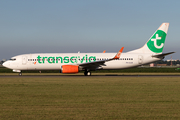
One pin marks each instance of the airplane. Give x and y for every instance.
(87, 62)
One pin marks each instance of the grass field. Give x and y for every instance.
(90, 98)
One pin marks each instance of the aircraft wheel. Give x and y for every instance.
(89, 73)
(20, 74)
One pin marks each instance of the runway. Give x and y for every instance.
(64, 76)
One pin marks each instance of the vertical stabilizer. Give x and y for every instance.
(156, 42)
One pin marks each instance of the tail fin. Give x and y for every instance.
(156, 42)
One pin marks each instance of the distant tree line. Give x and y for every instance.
(168, 62)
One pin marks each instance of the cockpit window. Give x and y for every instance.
(13, 59)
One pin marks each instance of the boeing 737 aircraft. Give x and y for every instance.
(87, 62)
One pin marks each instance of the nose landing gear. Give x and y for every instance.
(20, 74)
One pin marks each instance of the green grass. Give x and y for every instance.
(90, 98)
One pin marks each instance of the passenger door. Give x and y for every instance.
(24, 60)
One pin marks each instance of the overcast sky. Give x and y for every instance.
(47, 26)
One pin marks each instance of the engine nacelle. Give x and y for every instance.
(69, 69)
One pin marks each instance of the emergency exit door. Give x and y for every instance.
(140, 59)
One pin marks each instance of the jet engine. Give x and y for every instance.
(69, 69)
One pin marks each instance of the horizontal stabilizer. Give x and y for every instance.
(162, 55)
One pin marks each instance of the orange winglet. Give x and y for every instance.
(119, 53)
(104, 51)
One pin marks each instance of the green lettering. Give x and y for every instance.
(92, 57)
(82, 59)
(44, 59)
(49, 60)
(66, 59)
(71, 59)
(59, 58)
(86, 58)
(39, 59)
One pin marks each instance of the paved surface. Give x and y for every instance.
(61, 76)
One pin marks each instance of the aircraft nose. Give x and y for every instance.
(5, 64)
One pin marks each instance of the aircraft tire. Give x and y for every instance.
(88, 73)
(20, 74)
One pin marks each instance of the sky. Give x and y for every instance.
(62, 26)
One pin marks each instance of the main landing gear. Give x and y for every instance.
(87, 73)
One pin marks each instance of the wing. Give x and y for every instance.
(96, 64)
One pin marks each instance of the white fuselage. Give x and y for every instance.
(54, 61)
(75, 62)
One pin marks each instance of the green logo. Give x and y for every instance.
(66, 59)
(156, 42)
